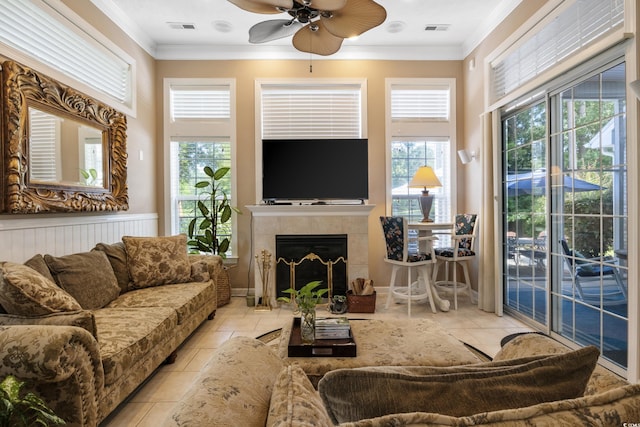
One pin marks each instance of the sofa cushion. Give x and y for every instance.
(117, 256)
(610, 408)
(234, 388)
(184, 298)
(355, 394)
(157, 261)
(87, 276)
(531, 344)
(126, 336)
(38, 263)
(25, 292)
(294, 401)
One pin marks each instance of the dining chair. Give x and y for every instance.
(397, 254)
(461, 252)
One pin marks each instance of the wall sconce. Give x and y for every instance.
(635, 87)
(467, 156)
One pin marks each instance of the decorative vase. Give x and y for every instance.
(308, 325)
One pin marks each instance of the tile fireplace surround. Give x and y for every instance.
(352, 220)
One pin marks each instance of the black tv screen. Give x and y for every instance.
(315, 169)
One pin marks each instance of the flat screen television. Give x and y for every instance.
(315, 169)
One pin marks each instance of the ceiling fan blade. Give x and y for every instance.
(320, 42)
(263, 6)
(327, 4)
(355, 18)
(272, 30)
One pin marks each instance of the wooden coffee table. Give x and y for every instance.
(406, 342)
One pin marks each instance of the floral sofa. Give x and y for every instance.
(533, 380)
(84, 330)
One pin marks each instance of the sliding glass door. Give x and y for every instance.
(565, 210)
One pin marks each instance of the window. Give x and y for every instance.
(565, 210)
(53, 35)
(309, 109)
(421, 132)
(200, 128)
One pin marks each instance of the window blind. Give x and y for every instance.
(192, 102)
(48, 37)
(430, 104)
(576, 27)
(300, 111)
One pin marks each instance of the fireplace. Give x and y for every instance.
(306, 258)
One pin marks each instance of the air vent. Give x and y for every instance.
(181, 26)
(436, 27)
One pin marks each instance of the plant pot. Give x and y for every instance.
(251, 298)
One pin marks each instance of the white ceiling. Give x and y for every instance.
(221, 29)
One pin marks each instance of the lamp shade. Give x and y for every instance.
(425, 177)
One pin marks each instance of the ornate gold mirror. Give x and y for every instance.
(63, 151)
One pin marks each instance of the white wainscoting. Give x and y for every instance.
(22, 238)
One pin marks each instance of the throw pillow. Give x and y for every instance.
(157, 261)
(25, 292)
(355, 394)
(117, 255)
(87, 276)
(294, 401)
(38, 263)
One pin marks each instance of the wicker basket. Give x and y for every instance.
(223, 285)
(361, 303)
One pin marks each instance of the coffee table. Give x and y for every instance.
(393, 342)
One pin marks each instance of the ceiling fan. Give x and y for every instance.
(317, 26)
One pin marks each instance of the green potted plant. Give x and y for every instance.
(306, 298)
(18, 409)
(215, 209)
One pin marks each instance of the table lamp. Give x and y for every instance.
(425, 177)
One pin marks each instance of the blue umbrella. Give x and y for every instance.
(535, 183)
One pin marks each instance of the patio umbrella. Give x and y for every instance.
(535, 183)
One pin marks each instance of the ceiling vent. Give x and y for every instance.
(181, 25)
(436, 27)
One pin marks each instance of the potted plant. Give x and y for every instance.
(306, 298)
(214, 209)
(18, 409)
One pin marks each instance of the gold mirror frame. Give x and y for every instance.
(21, 87)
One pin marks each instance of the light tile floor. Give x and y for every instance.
(151, 403)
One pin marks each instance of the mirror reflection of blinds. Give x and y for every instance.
(192, 102)
(45, 133)
(36, 30)
(303, 111)
(574, 28)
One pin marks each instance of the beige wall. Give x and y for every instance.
(246, 72)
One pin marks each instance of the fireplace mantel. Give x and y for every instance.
(310, 210)
(271, 220)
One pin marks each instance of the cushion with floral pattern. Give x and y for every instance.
(25, 292)
(157, 261)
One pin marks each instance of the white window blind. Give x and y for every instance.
(332, 111)
(420, 103)
(45, 35)
(193, 102)
(576, 27)
(44, 132)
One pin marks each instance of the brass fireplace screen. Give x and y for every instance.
(312, 257)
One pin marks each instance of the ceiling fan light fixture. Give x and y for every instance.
(338, 19)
